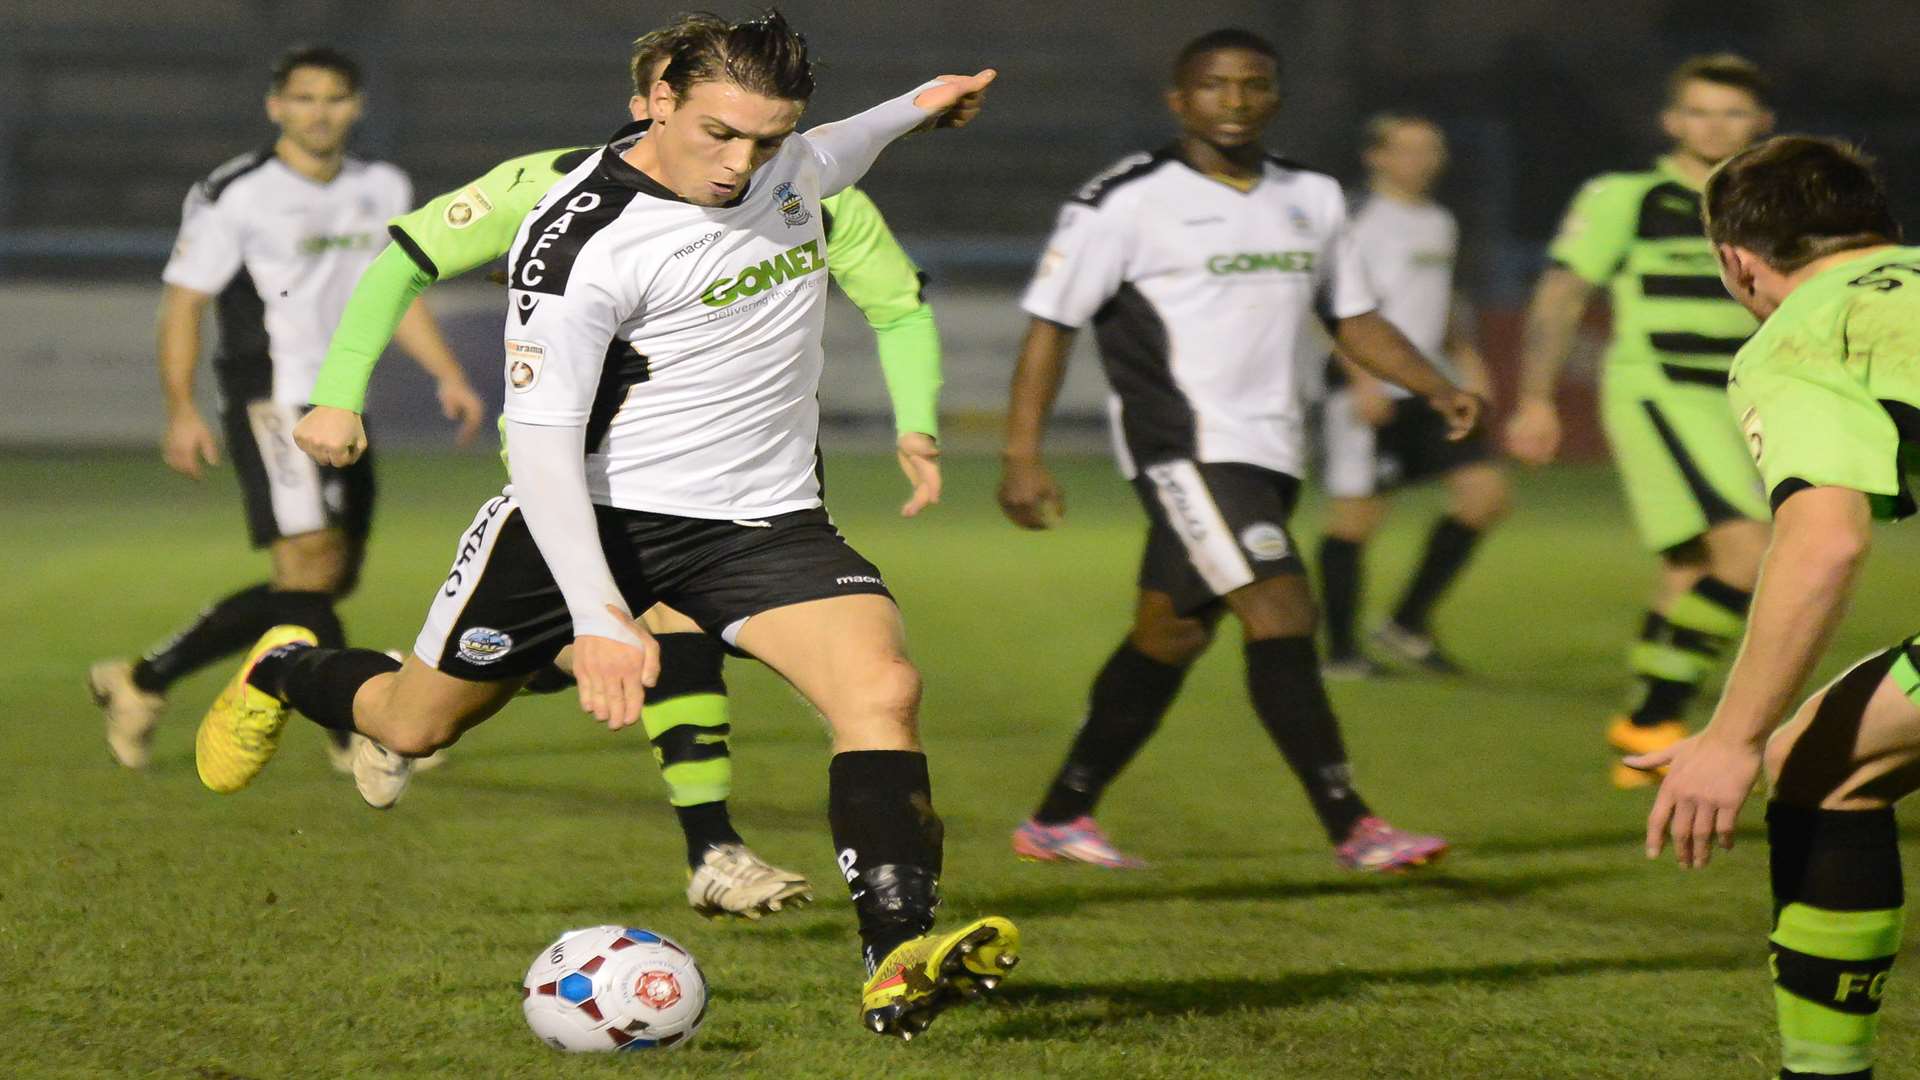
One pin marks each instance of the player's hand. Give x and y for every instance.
(1372, 403)
(1462, 411)
(461, 405)
(1028, 495)
(613, 675)
(920, 460)
(957, 100)
(1708, 780)
(331, 436)
(187, 443)
(1533, 435)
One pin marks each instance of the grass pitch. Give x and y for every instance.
(149, 928)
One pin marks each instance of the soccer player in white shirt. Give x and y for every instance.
(1376, 436)
(274, 240)
(662, 358)
(1198, 267)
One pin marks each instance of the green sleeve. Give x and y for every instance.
(385, 290)
(460, 230)
(1811, 421)
(877, 275)
(1598, 228)
(475, 224)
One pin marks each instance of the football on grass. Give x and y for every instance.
(614, 988)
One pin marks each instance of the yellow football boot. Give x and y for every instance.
(1629, 738)
(241, 731)
(924, 977)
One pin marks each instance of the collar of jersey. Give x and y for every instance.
(1172, 151)
(1665, 167)
(617, 169)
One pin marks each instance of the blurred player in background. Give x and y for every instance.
(1197, 266)
(687, 718)
(1693, 491)
(1377, 436)
(1827, 393)
(274, 241)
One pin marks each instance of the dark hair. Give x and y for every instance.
(658, 46)
(324, 57)
(1216, 40)
(1797, 198)
(1721, 69)
(1379, 127)
(762, 56)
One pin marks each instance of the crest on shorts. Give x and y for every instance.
(793, 208)
(1265, 541)
(484, 645)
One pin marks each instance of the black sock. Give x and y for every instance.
(880, 808)
(320, 683)
(1838, 907)
(226, 627)
(1283, 675)
(1340, 594)
(233, 624)
(1449, 547)
(1130, 695)
(705, 825)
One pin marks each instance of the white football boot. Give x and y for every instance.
(379, 773)
(732, 880)
(131, 712)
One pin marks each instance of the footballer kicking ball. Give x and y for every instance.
(614, 988)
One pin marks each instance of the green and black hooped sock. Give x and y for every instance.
(1129, 697)
(230, 625)
(686, 718)
(1838, 908)
(1677, 651)
(889, 841)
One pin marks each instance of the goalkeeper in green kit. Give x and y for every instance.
(1827, 394)
(686, 713)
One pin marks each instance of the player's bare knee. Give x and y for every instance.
(313, 562)
(1484, 501)
(419, 740)
(1165, 637)
(890, 694)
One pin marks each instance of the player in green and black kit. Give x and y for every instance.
(686, 713)
(1694, 495)
(1827, 394)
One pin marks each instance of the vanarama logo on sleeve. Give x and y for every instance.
(790, 265)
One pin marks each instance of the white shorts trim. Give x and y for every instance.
(1351, 469)
(294, 489)
(470, 558)
(1196, 519)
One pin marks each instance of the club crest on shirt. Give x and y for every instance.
(793, 208)
(1301, 223)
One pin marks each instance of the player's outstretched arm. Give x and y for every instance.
(331, 433)
(1370, 341)
(188, 442)
(615, 660)
(1028, 494)
(847, 148)
(1821, 536)
(1553, 318)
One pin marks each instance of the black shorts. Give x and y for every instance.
(1216, 527)
(499, 614)
(286, 492)
(1362, 460)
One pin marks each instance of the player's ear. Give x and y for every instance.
(1176, 101)
(1766, 124)
(273, 107)
(660, 102)
(637, 106)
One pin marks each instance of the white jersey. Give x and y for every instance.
(686, 338)
(282, 253)
(1410, 251)
(1200, 296)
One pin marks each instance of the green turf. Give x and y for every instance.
(148, 928)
